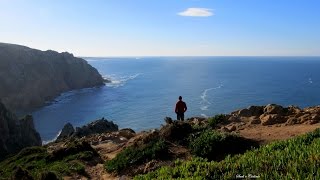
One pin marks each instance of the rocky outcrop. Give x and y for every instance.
(98, 126)
(275, 114)
(16, 134)
(95, 127)
(30, 77)
(66, 131)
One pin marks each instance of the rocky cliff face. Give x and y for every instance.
(30, 77)
(16, 134)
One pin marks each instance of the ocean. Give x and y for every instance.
(144, 90)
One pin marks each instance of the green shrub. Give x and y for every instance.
(213, 121)
(214, 145)
(156, 149)
(297, 158)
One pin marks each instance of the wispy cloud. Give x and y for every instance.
(197, 12)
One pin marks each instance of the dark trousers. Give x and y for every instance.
(180, 116)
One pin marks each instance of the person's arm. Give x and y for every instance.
(185, 107)
(176, 109)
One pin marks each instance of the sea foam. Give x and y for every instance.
(120, 81)
(204, 103)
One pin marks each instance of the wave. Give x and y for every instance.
(49, 141)
(203, 115)
(205, 104)
(119, 81)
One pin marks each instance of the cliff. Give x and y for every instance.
(16, 134)
(30, 77)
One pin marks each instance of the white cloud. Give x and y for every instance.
(197, 12)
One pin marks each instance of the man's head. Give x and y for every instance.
(180, 98)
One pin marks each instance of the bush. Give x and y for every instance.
(156, 149)
(213, 121)
(214, 145)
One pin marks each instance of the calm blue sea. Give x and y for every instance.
(144, 90)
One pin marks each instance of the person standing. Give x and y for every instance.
(181, 108)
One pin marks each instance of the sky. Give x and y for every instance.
(164, 27)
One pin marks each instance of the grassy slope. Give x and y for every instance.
(297, 158)
(36, 160)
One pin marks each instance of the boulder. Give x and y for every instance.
(96, 127)
(270, 119)
(293, 110)
(127, 133)
(274, 109)
(255, 121)
(256, 110)
(250, 111)
(66, 131)
(244, 113)
(168, 120)
(176, 132)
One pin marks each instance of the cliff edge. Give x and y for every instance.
(30, 77)
(16, 134)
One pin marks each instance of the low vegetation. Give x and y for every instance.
(38, 163)
(297, 158)
(214, 145)
(136, 155)
(213, 121)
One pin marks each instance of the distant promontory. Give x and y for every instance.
(30, 77)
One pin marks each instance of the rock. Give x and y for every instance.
(66, 131)
(234, 119)
(270, 119)
(149, 166)
(232, 128)
(250, 111)
(293, 110)
(15, 133)
(255, 121)
(224, 129)
(256, 110)
(96, 127)
(292, 121)
(127, 133)
(244, 113)
(315, 117)
(274, 109)
(304, 118)
(29, 77)
(168, 120)
(177, 131)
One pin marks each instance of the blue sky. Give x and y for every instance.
(164, 27)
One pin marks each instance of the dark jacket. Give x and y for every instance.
(181, 107)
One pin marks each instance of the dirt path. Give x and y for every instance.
(266, 134)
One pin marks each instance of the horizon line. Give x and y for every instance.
(147, 56)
